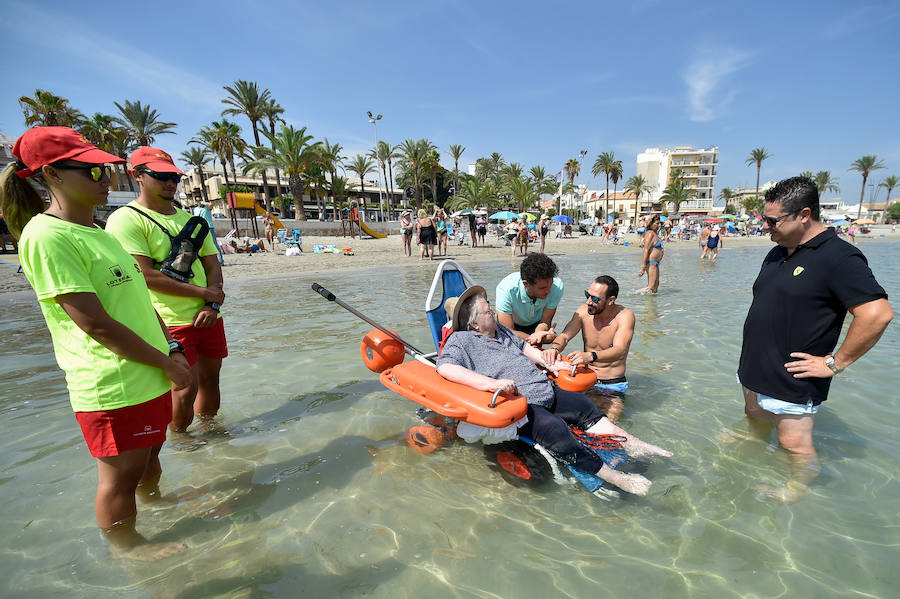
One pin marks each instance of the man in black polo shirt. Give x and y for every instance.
(803, 291)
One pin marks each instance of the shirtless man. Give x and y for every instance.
(606, 329)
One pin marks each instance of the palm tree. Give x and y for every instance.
(413, 154)
(432, 168)
(273, 111)
(638, 186)
(223, 138)
(825, 182)
(757, 156)
(473, 194)
(522, 192)
(676, 193)
(604, 164)
(456, 151)
(48, 110)
(864, 166)
(726, 194)
(890, 183)
(198, 157)
(393, 155)
(331, 159)
(572, 168)
(380, 153)
(142, 122)
(338, 193)
(808, 175)
(293, 154)
(362, 166)
(615, 175)
(245, 98)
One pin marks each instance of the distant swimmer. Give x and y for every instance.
(606, 329)
(652, 255)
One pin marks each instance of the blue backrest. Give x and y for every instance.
(454, 285)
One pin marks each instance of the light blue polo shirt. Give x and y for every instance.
(512, 299)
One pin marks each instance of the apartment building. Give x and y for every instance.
(697, 169)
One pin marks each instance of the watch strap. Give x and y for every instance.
(215, 306)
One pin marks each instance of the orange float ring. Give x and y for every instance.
(424, 438)
(583, 379)
(380, 351)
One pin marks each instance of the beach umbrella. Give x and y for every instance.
(463, 212)
(586, 221)
(713, 220)
(727, 217)
(841, 223)
(503, 215)
(663, 218)
(864, 221)
(528, 216)
(562, 218)
(744, 217)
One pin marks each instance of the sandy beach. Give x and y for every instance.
(374, 253)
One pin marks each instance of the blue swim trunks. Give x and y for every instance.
(617, 385)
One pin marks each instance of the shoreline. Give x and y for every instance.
(370, 254)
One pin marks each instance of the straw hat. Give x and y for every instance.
(453, 306)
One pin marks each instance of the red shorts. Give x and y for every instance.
(209, 342)
(111, 432)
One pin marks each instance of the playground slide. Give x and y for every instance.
(370, 232)
(278, 224)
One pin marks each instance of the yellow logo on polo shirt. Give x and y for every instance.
(798, 270)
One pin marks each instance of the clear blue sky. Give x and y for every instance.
(817, 83)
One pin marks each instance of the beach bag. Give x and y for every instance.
(185, 247)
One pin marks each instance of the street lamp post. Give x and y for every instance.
(374, 120)
(581, 156)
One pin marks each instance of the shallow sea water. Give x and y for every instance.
(311, 490)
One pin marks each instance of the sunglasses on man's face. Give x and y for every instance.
(774, 220)
(163, 176)
(95, 172)
(593, 298)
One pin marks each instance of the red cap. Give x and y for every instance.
(154, 159)
(40, 146)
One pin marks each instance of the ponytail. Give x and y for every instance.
(18, 199)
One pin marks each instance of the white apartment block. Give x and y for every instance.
(698, 171)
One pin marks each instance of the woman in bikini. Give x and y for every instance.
(427, 234)
(652, 256)
(406, 232)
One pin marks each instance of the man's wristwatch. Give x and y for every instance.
(175, 346)
(829, 362)
(214, 305)
(593, 356)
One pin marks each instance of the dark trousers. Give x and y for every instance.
(550, 428)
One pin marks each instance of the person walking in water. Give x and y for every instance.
(652, 255)
(120, 360)
(805, 288)
(713, 243)
(190, 305)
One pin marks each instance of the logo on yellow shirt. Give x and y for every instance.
(798, 270)
(120, 276)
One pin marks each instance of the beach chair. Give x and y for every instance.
(453, 280)
(295, 239)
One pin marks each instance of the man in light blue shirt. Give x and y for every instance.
(527, 300)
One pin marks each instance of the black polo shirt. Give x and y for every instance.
(799, 305)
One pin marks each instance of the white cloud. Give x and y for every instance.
(92, 47)
(706, 77)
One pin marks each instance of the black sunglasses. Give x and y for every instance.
(95, 172)
(593, 298)
(162, 176)
(774, 220)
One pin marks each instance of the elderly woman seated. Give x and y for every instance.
(486, 355)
